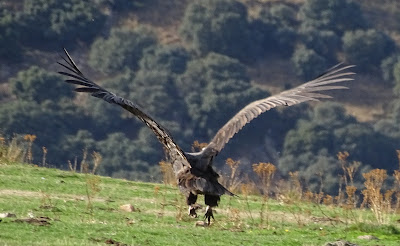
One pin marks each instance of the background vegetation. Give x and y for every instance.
(192, 65)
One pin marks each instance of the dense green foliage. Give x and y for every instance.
(122, 49)
(366, 48)
(333, 15)
(193, 86)
(217, 26)
(207, 85)
(9, 34)
(59, 21)
(313, 144)
(274, 31)
(36, 84)
(308, 63)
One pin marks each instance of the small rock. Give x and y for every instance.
(129, 208)
(340, 243)
(40, 221)
(368, 237)
(7, 215)
(201, 224)
(110, 241)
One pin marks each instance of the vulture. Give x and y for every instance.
(194, 171)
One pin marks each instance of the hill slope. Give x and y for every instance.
(54, 207)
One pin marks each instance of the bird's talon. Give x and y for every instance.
(192, 212)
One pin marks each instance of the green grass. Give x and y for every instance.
(162, 220)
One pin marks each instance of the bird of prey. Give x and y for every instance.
(194, 171)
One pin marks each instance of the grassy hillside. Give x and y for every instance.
(54, 207)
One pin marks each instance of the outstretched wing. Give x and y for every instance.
(175, 153)
(305, 92)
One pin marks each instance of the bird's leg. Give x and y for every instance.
(191, 201)
(192, 211)
(208, 215)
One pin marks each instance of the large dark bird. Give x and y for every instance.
(194, 172)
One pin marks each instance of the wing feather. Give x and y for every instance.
(176, 155)
(305, 92)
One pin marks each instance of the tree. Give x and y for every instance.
(106, 117)
(219, 26)
(36, 84)
(324, 42)
(214, 89)
(156, 91)
(124, 158)
(396, 75)
(387, 67)
(124, 5)
(390, 126)
(366, 48)
(330, 130)
(275, 30)
(308, 64)
(312, 167)
(60, 21)
(333, 15)
(75, 144)
(169, 58)
(9, 34)
(47, 121)
(123, 49)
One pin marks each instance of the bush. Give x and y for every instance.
(36, 84)
(156, 91)
(60, 21)
(125, 158)
(169, 58)
(214, 89)
(121, 50)
(217, 26)
(275, 30)
(323, 42)
(9, 36)
(312, 146)
(366, 48)
(387, 67)
(333, 15)
(390, 126)
(49, 121)
(123, 5)
(308, 64)
(108, 117)
(396, 73)
(328, 131)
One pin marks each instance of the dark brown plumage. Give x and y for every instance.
(193, 171)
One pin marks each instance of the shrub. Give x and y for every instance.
(9, 36)
(36, 84)
(323, 42)
(60, 21)
(170, 58)
(308, 64)
(217, 26)
(214, 88)
(122, 49)
(330, 130)
(387, 67)
(131, 159)
(333, 15)
(275, 30)
(366, 48)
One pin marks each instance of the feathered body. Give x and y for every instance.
(194, 172)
